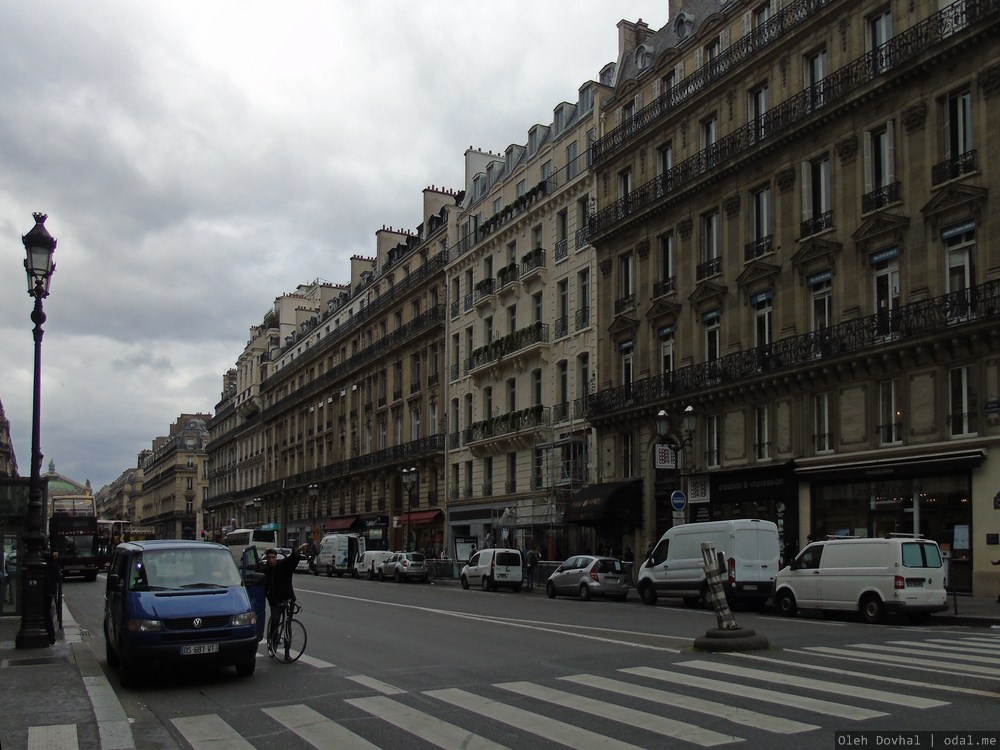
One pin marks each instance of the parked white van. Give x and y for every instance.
(339, 554)
(675, 567)
(492, 568)
(901, 573)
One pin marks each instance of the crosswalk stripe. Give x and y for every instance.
(837, 688)
(312, 662)
(551, 729)
(906, 661)
(316, 729)
(943, 645)
(422, 725)
(210, 732)
(53, 737)
(640, 719)
(760, 694)
(370, 682)
(933, 649)
(736, 715)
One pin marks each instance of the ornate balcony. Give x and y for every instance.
(953, 168)
(817, 224)
(881, 197)
(515, 429)
(757, 248)
(518, 343)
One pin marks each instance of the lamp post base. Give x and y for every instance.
(32, 633)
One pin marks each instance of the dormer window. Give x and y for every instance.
(643, 58)
(683, 24)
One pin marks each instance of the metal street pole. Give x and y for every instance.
(39, 245)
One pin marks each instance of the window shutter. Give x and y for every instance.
(807, 211)
(890, 156)
(657, 88)
(724, 40)
(699, 57)
(747, 23)
(869, 171)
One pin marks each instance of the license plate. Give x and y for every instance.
(914, 583)
(612, 580)
(200, 648)
(750, 587)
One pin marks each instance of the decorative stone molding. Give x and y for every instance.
(731, 101)
(783, 67)
(844, 26)
(915, 117)
(785, 179)
(642, 249)
(605, 266)
(731, 205)
(684, 227)
(847, 149)
(989, 81)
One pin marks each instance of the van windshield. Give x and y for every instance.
(160, 570)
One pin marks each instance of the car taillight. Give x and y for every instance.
(899, 582)
(406, 563)
(732, 570)
(594, 575)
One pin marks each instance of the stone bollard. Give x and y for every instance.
(728, 636)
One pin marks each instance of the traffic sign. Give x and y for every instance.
(678, 501)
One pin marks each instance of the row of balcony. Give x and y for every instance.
(516, 342)
(907, 322)
(783, 118)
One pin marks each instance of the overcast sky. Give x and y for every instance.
(199, 159)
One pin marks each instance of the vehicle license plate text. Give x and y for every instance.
(200, 648)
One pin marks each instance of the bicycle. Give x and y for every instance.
(290, 635)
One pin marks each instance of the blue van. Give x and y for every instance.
(181, 602)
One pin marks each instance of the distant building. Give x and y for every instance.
(8, 461)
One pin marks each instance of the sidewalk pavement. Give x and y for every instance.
(59, 698)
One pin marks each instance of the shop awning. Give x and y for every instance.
(611, 502)
(340, 524)
(880, 470)
(417, 517)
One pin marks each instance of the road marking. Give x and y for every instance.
(53, 737)
(744, 716)
(962, 646)
(977, 655)
(426, 727)
(649, 722)
(759, 694)
(370, 682)
(543, 726)
(837, 688)
(316, 729)
(906, 661)
(210, 732)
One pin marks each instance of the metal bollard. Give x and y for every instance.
(716, 589)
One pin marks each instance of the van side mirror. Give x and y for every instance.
(115, 582)
(793, 564)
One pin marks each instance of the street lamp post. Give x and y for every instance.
(409, 484)
(314, 525)
(39, 246)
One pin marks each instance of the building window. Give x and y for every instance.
(562, 308)
(881, 186)
(757, 107)
(823, 435)
(761, 224)
(666, 282)
(583, 299)
(962, 402)
(960, 246)
(665, 158)
(626, 364)
(626, 283)
(890, 426)
(763, 313)
(536, 387)
(762, 432)
(713, 442)
(711, 254)
(709, 135)
(511, 484)
(821, 297)
(667, 351)
(817, 205)
(879, 32)
(885, 267)
(628, 455)
(572, 167)
(960, 157)
(583, 374)
(817, 66)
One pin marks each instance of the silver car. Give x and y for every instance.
(404, 566)
(587, 576)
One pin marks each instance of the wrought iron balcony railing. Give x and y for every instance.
(815, 225)
(582, 317)
(881, 197)
(510, 423)
(757, 248)
(709, 268)
(510, 344)
(927, 317)
(953, 168)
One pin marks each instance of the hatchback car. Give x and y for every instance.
(588, 576)
(404, 566)
(302, 566)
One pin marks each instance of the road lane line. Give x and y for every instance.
(422, 725)
(210, 732)
(824, 686)
(906, 661)
(714, 709)
(370, 682)
(817, 705)
(316, 729)
(649, 722)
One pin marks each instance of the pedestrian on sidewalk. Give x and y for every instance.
(50, 590)
(532, 562)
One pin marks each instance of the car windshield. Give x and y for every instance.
(415, 556)
(183, 568)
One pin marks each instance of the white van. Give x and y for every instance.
(901, 573)
(339, 554)
(675, 567)
(492, 568)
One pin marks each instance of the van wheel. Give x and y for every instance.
(785, 602)
(550, 589)
(110, 652)
(872, 609)
(465, 583)
(486, 583)
(246, 667)
(381, 575)
(585, 592)
(398, 576)
(329, 571)
(647, 593)
(354, 574)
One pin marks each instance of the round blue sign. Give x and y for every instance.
(678, 501)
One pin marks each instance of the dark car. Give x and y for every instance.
(587, 576)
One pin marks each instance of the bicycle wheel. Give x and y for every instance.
(292, 642)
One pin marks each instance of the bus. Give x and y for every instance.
(111, 533)
(73, 534)
(240, 539)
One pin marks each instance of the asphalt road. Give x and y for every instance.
(420, 666)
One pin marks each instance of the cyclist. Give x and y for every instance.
(278, 584)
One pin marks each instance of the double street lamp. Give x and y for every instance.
(39, 246)
(409, 484)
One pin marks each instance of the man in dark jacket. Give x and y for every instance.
(278, 583)
(50, 591)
